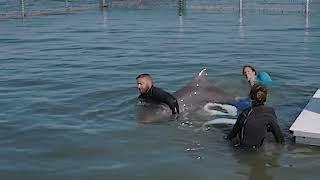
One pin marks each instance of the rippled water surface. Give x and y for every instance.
(67, 93)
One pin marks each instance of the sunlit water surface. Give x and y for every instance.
(67, 90)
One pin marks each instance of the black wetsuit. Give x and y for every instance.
(158, 95)
(253, 124)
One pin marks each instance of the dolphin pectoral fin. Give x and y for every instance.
(217, 108)
(220, 121)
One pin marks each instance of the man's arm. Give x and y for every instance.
(167, 98)
(172, 102)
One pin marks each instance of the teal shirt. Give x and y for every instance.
(264, 78)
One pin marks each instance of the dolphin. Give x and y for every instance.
(199, 95)
(199, 92)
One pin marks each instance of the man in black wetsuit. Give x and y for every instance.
(150, 93)
(254, 122)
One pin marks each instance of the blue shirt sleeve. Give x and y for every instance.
(264, 78)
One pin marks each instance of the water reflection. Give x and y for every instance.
(105, 18)
(180, 26)
(306, 33)
(306, 26)
(241, 31)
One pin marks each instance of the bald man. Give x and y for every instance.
(150, 93)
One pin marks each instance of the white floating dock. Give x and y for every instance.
(306, 128)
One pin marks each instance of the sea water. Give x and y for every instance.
(68, 93)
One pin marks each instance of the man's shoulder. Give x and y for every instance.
(160, 93)
(154, 88)
(157, 90)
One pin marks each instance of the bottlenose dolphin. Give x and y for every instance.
(199, 94)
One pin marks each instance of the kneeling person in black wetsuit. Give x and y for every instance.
(150, 93)
(254, 122)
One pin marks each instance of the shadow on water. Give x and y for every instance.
(262, 162)
(152, 113)
(313, 105)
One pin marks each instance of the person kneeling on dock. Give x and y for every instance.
(254, 122)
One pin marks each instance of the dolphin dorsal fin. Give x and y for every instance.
(200, 77)
(203, 73)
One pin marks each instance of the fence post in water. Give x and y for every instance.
(240, 13)
(103, 4)
(22, 9)
(66, 5)
(307, 8)
(181, 7)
